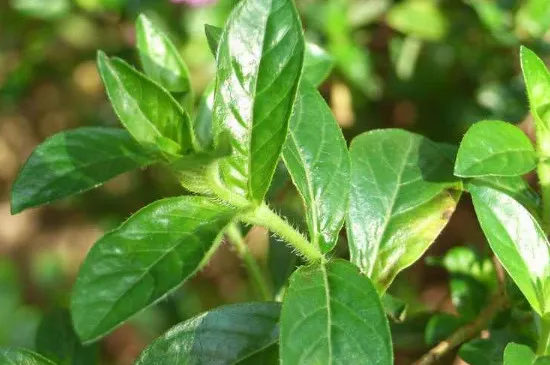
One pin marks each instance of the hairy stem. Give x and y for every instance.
(253, 269)
(464, 333)
(265, 217)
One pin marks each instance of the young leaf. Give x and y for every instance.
(317, 64)
(316, 156)
(537, 83)
(518, 242)
(332, 315)
(402, 195)
(145, 258)
(160, 57)
(213, 36)
(22, 357)
(74, 161)
(515, 354)
(260, 59)
(492, 148)
(227, 335)
(56, 340)
(149, 112)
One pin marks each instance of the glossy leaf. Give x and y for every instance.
(516, 187)
(518, 242)
(495, 148)
(332, 315)
(149, 112)
(74, 161)
(160, 57)
(402, 195)
(317, 64)
(418, 18)
(316, 156)
(213, 36)
(260, 59)
(202, 124)
(56, 340)
(232, 334)
(144, 259)
(22, 357)
(537, 83)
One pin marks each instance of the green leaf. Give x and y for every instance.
(517, 240)
(202, 124)
(227, 335)
(22, 357)
(418, 18)
(317, 159)
(402, 195)
(317, 64)
(472, 279)
(516, 187)
(537, 83)
(481, 352)
(515, 354)
(332, 315)
(56, 340)
(267, 356)
(260, 59)
(160, 57)
(213, 36)
(439, 327)
(495, 148)
(149, 255)
(149, 112)
(75, 161)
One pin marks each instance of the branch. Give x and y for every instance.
(464, 333)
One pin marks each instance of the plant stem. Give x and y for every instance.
(265, 217)
(464, 333)
(254, 271)
(543, 172)
(543, 346)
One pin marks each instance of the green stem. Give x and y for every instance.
(543, 346)
(254, 271)
(543, 172)
(408, 57)
(265, 217)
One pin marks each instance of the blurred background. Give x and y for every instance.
(433, 67)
